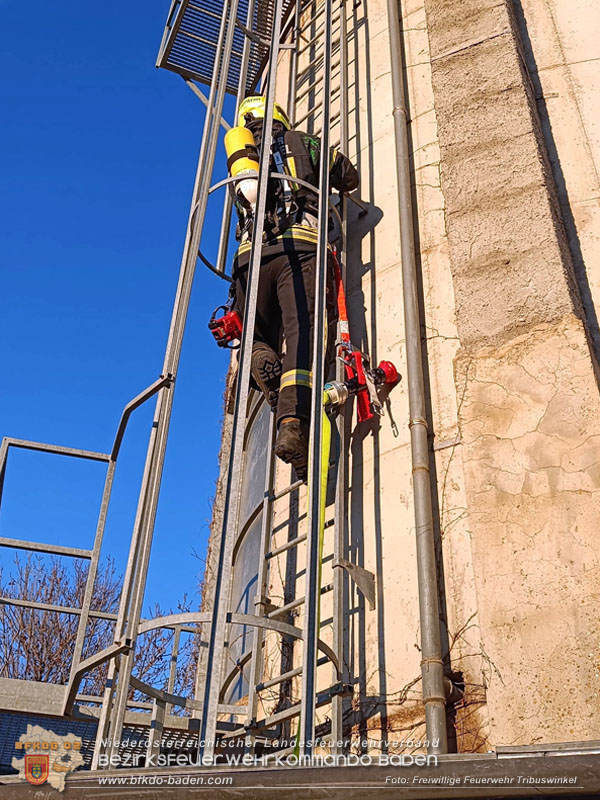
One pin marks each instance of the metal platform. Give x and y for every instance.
(190, 40)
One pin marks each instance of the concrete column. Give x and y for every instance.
(529, 408)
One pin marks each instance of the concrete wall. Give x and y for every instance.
(530, 409)
(504, 127)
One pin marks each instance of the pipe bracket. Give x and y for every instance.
(434, 698)
(432, 660)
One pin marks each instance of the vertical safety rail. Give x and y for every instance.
(316, 489)
(340, 579)
(216, 643)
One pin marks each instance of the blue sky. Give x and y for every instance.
(98, 154)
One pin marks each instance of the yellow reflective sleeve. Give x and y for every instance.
(296, 377)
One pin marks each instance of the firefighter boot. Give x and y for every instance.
(266, 371)
(291, 445)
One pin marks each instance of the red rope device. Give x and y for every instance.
(360, 378)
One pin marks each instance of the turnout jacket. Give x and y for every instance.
(291, 209)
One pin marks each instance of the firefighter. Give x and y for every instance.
(286, 289)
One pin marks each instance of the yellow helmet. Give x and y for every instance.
(255, 106)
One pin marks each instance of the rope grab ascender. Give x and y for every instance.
(362, 380)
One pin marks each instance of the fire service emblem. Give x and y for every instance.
(37, 768)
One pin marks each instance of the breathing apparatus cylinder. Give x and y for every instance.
(242, 162)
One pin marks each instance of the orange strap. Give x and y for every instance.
(341, 300)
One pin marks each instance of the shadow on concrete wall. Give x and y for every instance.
(363, 331)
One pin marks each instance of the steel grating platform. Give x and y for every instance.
(190, 39)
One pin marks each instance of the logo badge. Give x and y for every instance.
(37, 769)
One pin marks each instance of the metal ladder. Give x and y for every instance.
(313, 35)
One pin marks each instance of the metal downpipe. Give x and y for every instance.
(432, 669)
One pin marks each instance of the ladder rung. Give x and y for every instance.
(238, 711)
(316, 89)
(295, 603)
(288, 490)
(287, 546)
(285, 676)
(317, 36)
(279, 679)
(21, 544)
(296, 541)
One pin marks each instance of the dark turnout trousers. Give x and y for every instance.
(285, 309)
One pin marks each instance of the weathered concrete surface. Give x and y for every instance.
(531, 450)
(462, 641)
(506, 249)
(562, 49)
(529, 407)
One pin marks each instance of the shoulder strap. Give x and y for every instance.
(280, 158)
